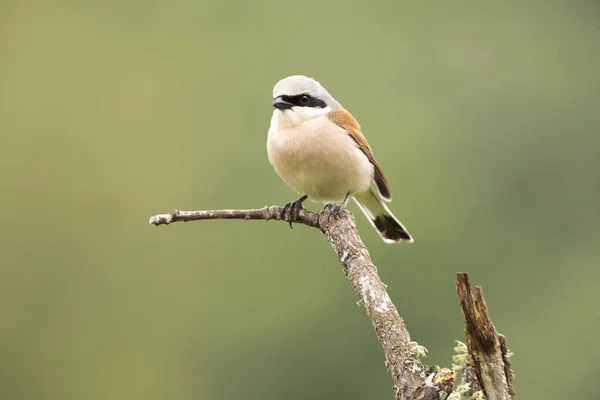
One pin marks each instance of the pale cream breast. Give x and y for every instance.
(317, 158)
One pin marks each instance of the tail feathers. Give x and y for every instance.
(382, 219)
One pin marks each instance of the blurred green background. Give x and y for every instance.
(485, 118)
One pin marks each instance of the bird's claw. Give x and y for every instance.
(291, 211)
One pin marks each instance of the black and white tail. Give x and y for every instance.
(382, 219)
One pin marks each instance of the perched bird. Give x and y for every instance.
(318, 149)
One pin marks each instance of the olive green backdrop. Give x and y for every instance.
(485, 118)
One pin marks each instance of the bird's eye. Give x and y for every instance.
(304, 99)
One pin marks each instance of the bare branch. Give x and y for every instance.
(488, 366)
(266, 213)
(411, 379)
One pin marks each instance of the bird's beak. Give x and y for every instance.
(281, 104)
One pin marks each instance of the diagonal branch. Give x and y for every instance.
(411, 380)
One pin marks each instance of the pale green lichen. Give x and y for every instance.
(478, 395)
(418, 350)
(462, 392)
(461, 356)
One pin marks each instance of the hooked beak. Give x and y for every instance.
(281, 104)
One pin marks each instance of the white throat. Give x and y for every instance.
(296, 116)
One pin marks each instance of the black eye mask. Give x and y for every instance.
(304, 100)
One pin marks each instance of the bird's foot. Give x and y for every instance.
(291, 211)
(335, 210)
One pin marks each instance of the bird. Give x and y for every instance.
(318, 149)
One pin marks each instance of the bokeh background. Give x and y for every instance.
(485, 118)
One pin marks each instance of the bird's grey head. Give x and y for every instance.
(302, 91)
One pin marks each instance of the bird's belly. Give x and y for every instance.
(323, 164)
